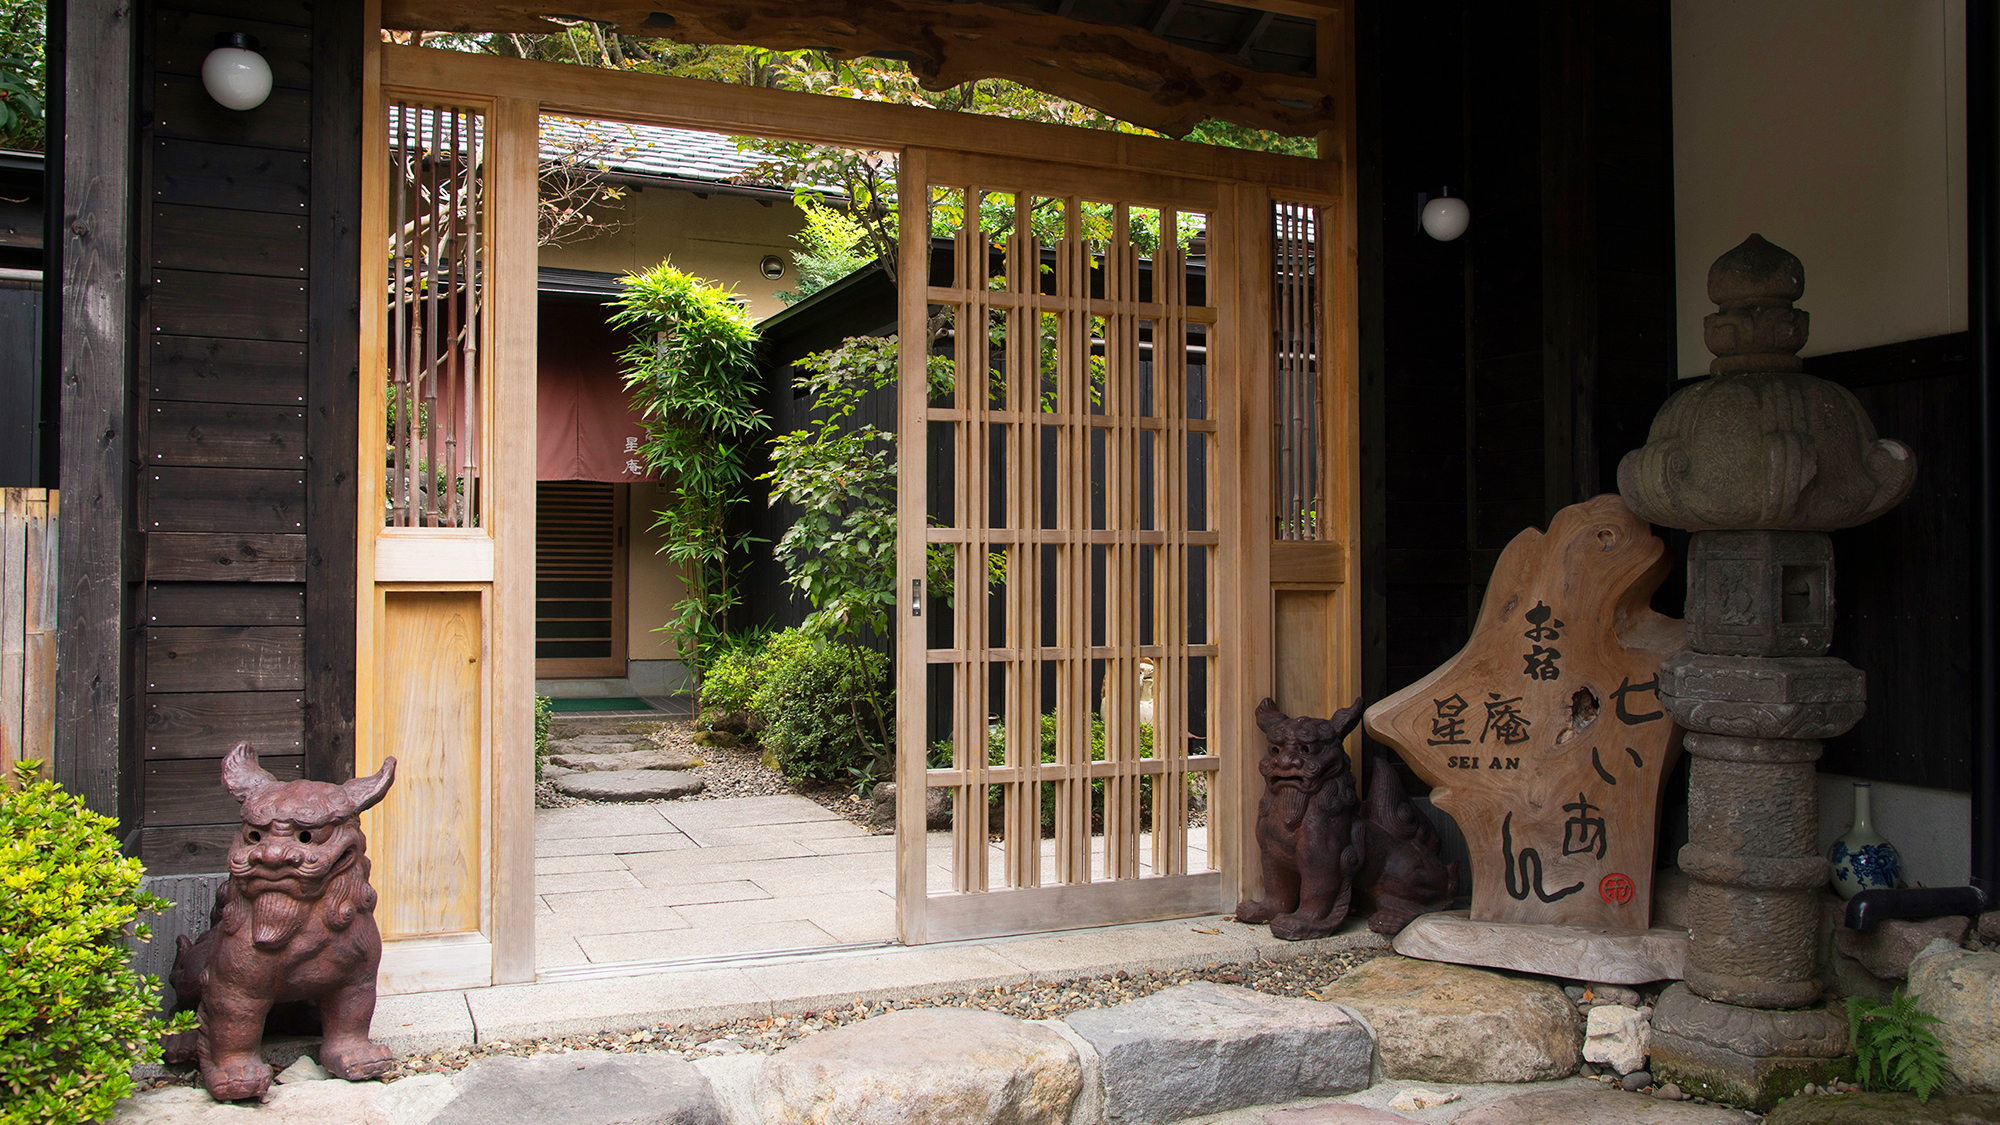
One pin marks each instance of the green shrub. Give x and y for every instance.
(545, 715)
(1893, 1045)
(732, 679)
(940, 758)
(822, 702)
(74, 1017)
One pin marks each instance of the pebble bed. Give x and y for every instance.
(727, 773)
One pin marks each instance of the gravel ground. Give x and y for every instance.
(728, 773)
(1302, 976)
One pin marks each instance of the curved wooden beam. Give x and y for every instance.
(1121, 71)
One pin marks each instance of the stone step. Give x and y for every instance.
(629, 785)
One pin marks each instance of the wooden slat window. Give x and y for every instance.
(1299, 471)
(579, 579)
(436, 316)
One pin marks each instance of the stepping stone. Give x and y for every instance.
(592, 744)
(922, 1066)
(582, 1088)
(1596, 1105)
(637, 760)
(1448, 1023)
(629, 785)
(1204, 1048)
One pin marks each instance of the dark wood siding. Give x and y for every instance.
(245, 389)
(1505, 373)
(1903, 584)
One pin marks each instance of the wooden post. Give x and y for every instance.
(95, 466)
(27, 626)
(333, 388)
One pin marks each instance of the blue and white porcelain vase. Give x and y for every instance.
(1862, 860)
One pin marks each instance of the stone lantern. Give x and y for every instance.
(1759, 462)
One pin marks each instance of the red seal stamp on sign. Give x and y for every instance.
(1616, 889)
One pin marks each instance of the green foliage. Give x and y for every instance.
(691, 370)
(74, 1017)
(822, 701)
(1894, 1045)
(940, 758)
(545, 714)
(23, 74)
(841, 552)
(831, 246)
(733, 676)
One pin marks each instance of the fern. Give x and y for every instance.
(1894, 1045)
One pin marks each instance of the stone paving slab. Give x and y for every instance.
(620, 920)
(571, 864)
(704, 941)
(614, 1004)
(610, 879)
(768, 911)
(685, 869)
(663, 874)
(810, 984)
(738, 812)
(419, 1022)
(679, 895)
(802, 830)
(600, 820)
(612, 845)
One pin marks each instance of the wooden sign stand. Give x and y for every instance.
(1545, 739)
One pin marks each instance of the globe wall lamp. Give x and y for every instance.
(234, 74)
(1444, 217)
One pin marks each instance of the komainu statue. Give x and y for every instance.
(295, 922)
(1323, 852)
(1403, 873)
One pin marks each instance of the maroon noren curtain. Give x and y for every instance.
(585, 427)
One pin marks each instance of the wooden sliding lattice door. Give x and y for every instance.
(1062, 631)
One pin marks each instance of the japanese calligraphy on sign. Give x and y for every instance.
(1544, 738)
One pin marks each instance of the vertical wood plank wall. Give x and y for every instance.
(243, 382)
(27, 626)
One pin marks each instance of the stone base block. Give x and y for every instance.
(1750, 1057)
(1206, 1048)
(1575, 952)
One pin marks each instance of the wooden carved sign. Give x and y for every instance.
(1544, 737)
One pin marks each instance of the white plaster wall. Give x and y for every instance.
(722, 238)
(652, 583)
(1931, 828)
(1834, 128)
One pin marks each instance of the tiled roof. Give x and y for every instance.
(648, 150)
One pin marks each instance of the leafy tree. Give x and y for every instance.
(23, 74)
(691, 370)
(830, 248)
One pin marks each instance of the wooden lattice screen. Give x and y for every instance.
(1069, 645)
(1299, 441)
(437, 306)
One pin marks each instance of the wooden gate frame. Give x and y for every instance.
(497, 561)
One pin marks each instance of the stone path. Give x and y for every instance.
(681, 881)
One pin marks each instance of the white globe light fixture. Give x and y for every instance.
(1446, 217)
(234, 74)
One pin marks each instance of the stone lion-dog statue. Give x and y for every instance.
(295, 922)
(1323, 852)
